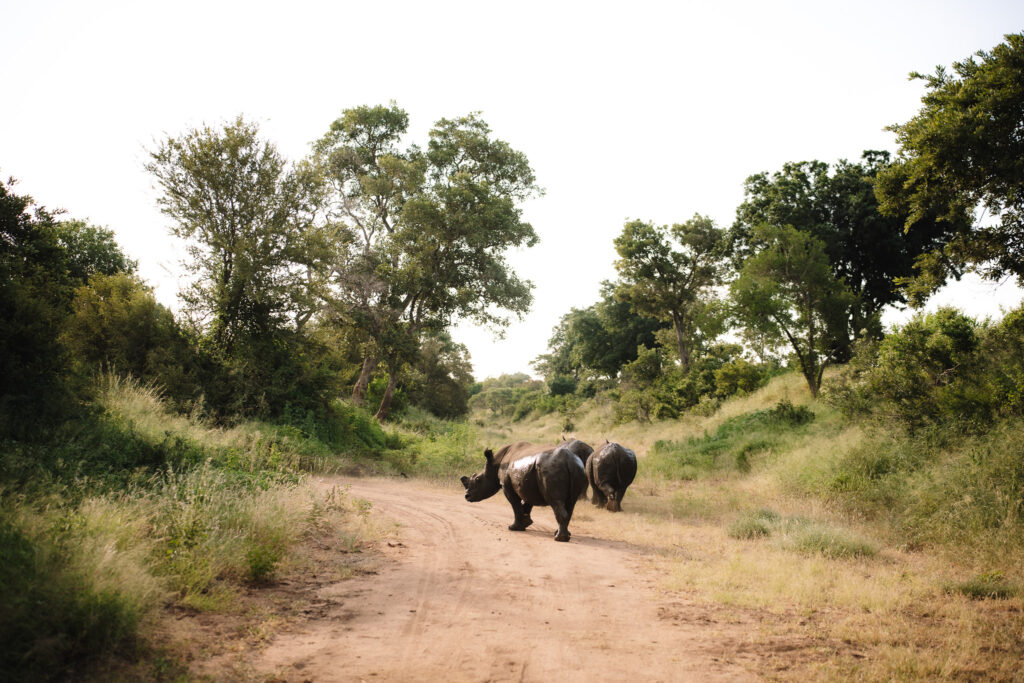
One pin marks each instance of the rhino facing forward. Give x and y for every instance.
(531, 475)
(610, 471)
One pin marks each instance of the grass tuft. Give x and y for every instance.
(989, 585)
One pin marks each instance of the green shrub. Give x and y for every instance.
(737, 376)
(559, 385)
(749, 527)
(989, 585)
(940, 369)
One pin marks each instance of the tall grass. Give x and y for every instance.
(140, 508)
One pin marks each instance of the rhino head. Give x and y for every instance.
(483, 484)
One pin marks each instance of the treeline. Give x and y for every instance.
(337, 275)
(815, 254)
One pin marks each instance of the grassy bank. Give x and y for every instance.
(855, 548)
(132, 510)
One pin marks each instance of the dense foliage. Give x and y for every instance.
(964, 151)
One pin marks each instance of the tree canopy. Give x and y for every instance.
(964, 150)
(788, 293)
(668, 272)
(836, 204)
(248, 223)
(422, 234)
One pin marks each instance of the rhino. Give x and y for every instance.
(531, 475)
(580, 449)
(582, 452)
(610, 471)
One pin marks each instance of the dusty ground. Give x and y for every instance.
(461, 598)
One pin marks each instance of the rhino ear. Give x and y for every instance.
(489, 456)
(465, 481)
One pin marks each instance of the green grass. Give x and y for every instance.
(734, 446)
(131, 506)
(989, 585)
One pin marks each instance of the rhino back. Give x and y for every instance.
(561, 474)
(613, 464)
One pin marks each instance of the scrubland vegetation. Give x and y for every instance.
(795, 457)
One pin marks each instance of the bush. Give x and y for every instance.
(116, 324)
(737, 376)
(751, 526)
(940, 369)
(560, 385)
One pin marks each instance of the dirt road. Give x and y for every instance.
(461, 598)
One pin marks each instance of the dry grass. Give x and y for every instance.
(876, 612)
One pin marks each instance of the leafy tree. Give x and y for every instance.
(426, 231)
(42, 260)
(964, 150)
(255, 242)
(34, 292)
(117, 324)
(369, 180)
(787, 293)
(90, 250)
(441, 377)
(668, 273)
(249, 223)
(837, 205)
(597, 340)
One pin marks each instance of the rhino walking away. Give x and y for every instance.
(582, 451)
(531, 475)
(610, 471)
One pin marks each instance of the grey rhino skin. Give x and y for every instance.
(579, 449)
(531, 475)
(582, 452)
(610, 471)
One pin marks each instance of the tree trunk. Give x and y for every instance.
(389, 393)
(359, 390)
(681, 345)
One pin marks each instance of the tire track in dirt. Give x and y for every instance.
(461, 598)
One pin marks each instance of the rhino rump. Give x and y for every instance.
(610, 471)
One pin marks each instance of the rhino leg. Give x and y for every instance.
(521, 511)
(611, 497)
(563, 514)
(598, 497)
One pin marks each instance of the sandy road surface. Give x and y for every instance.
(464, 599)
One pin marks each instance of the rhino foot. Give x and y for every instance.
(564, 538)
(520, 525)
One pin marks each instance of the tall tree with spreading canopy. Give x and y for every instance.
(787, 293)
(252, 230)
(963, 151)
(668, 272)
(836, 204)
(249, 223)
(426, 230)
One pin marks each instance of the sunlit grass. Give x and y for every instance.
(779, 539)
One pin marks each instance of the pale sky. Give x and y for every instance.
(626, 110)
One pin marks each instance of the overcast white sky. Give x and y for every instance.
(626, 110)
